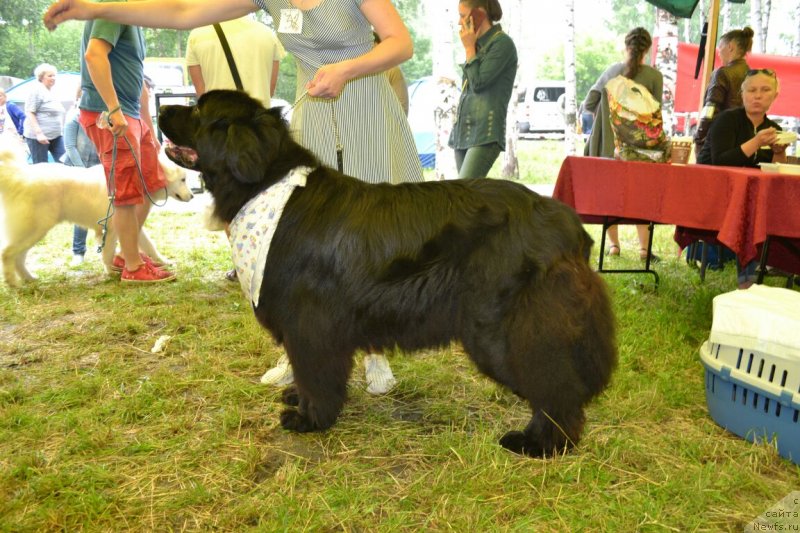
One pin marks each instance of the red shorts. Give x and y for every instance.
(126, 179)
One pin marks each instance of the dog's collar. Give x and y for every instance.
(254, 226)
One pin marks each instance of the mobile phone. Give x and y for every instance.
(477, 15)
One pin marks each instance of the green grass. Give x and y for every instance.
(99, 434)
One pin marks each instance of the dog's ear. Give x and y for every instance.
(245, 153)
(232, 148)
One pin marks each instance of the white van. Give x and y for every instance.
(541, 107)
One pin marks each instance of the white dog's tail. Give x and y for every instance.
(11, 159)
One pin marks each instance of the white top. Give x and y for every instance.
(49, 112)
(254, 48)
(254, 226)
(761, 318)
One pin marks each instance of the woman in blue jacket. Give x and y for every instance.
(11, 116)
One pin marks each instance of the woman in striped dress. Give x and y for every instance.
(349, 106)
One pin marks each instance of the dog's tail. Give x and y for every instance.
(11, 160)
(568, 324)
(595, 349)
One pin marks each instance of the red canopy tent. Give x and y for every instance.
(687, 88)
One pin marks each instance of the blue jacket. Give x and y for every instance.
(17, 116)
(488, 82)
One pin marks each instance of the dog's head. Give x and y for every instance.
(239, 146)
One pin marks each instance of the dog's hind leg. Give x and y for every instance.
(546, 434)
(14, 261)
(10, 268)
(320, 383)
(562, 352)
(22, 270)
(556, 428)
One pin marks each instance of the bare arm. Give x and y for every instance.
(176, 14)
(100, 72)
(276, 65)
(144, 112)
(37, 130)
(196, 75)
(394, 48)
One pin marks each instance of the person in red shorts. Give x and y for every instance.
(112, 74)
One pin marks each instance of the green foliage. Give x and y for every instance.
(629, 15)
(420, 64)
(22, 12)
(287, 79)
(593, 56)
(165, 43)
(29, 47)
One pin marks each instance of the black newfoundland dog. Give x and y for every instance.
(358, 266)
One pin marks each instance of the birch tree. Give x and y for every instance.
(442, 47)
(755, 23)
(569, 73)
(724, 18)
(766, 8)
(667, 63)
(796, 45)
(512, 24)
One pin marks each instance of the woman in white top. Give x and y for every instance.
(44, 117)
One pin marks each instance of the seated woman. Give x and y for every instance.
(745, 136)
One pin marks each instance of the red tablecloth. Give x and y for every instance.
(738, 207)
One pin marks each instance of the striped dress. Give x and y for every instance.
(378, 146)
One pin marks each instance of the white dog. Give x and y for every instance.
(37, 197)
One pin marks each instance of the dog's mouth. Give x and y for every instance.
(181, 155)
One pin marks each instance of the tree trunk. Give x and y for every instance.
(442, 46)
(570, 82)
(796, 47)
(510, 163)
(667, 64)
(725, 18)
(755, 23)
(766, 9)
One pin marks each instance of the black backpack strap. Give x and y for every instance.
(229, 56)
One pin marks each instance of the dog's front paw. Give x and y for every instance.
(518, 442)
(292, 420)
(290, 396)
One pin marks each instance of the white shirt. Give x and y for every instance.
(254, 48)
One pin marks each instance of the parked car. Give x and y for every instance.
(541, 107)
(8, 81)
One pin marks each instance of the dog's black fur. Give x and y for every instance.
(358, 266)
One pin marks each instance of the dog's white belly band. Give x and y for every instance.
(254, 226)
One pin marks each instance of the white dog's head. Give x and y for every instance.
(176, 179)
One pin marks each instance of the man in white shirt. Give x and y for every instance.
(255, 50)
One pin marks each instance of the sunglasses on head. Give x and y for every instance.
(767, 71)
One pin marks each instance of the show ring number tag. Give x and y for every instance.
(291, 21)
